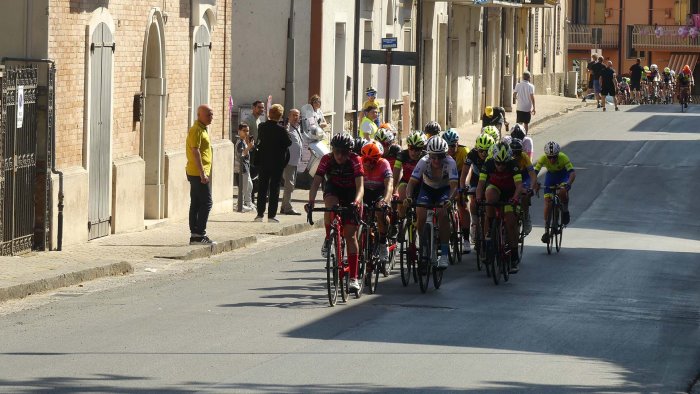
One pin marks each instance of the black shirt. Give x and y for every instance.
(636, 72)
(608, 77)
(597, 69)
(499, 116)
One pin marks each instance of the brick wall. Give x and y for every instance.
(67, 46)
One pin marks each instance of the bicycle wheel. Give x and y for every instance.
(363, 260)
(424, 259)
(332, 278)
(376, 266)
(495, 251)
(407, 254)
(560, 233)
(505, 254)
(455, 255)
(550, 227)
(521, 236)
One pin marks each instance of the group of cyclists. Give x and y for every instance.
(656, 86)
(436, 170)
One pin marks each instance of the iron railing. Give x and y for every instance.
(669, 37)
(593, 36)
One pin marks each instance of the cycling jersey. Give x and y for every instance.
(654, 76)
(667, 77)
(376, 175)
(475, 162)
(684, 80)
(562, 165)
(404, 162)
(424, 172)
(460, 157)
(503, 180)
(391, 154)
(340, 175)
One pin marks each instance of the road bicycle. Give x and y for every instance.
(554, 224)
(498, 251)
(428, 248)
(456, 247)
(683, 97)
(370, 265)
(337, 269)
(408, 252)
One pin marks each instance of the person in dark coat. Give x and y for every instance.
(272, 157)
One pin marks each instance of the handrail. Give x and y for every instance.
(593, 36)
(663, 37)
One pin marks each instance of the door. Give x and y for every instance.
(202, 52)
(99, 143)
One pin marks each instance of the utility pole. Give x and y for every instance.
(289, 85)
(356, 69)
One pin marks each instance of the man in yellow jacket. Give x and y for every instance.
(368, 126)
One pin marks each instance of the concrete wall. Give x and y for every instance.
(177, 188)
(128, 194)
(75, 211)
(222, 176)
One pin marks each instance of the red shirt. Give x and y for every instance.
(375, 176)
(341, 175)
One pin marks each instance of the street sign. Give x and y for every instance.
(390, 43)
(398, 58)
(369, 56)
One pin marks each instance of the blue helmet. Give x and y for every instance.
(451, 137)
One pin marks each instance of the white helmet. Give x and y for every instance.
(654, 67)
(507, 139)
(551, 148)
(436, 145)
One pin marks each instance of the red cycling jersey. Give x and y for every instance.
(340, 175)
(376, 174)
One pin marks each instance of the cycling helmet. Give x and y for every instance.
(372, 150)
(551, 148)
(518, 132)
(673, 73)
(451, 137)
(516, 146)
(387, 126)
(416, 139)
(370, 91)
(654, 67)
(492, 131)
(646, 68)
(501, 152)
(384, 135)
(436, 145)
(667, 70)
(686, 69)
(484, 142)
(507, 139)
(342, 141)
(432, 128)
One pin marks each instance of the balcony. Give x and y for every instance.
(593, 36)
(646, 38)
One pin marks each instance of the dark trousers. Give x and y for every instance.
(269, 180)
(200, 205)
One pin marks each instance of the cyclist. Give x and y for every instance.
(431, 129)
(438, 173)
(645, 83)
(470, 175)
(560, 171)
(344, 186)
(459, 154)
(527, 171)
(519, 133)
(624, 91)
(386, 137)
(500, 180)
(493, 132)
(494, 116)
(685, 81)
(667, 86)
(378, 189)
(404, 165)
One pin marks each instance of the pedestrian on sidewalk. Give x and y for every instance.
(596, 69)
(273, 156)
(243, 148)
(494, 116)
(589, 69)
(198, 169)
(368, 127)
(524, 96)
(608, 85)
(636, 71)
(290, 171)
(253, 120)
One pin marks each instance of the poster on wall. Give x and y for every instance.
(20, 106)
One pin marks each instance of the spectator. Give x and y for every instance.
(368, 126)
(253, 120)
(198, 169)
(290, 171)
(589, 68)
(312, 115)
(494, 116)
(608, 85)
(243, 147)
(371, 100)
(596, 69)
(636, 77)
(524, 96)
(273, 156)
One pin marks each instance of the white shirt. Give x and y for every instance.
(524, 89)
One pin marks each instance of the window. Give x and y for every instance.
(536, 29)
(631, 53)
(557, 31)
(407, 71)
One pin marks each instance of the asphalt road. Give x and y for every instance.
(618, 310)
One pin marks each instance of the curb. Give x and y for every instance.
(297, 228)
(64, 280)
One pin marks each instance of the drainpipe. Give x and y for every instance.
(619, 39)
(503, 56)
(52, 149)
(651, 23)
(289, 84)
(356, 70)
(419, 66)
(448, 69)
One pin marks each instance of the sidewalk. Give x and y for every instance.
(121, 254)
(548, 107)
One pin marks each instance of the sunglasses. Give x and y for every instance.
(552, 157)
(342, 152)
(415, 149)
(500, 164)
(452, 146)
(437, 157)
(481, 151)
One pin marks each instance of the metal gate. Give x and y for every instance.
(18, 136)
(202, 49)
(99, 156)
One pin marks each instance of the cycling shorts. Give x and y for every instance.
(416, 190)
(430, 196)
(345, 196)
(504, 196)
(552, 179)
(371, 197)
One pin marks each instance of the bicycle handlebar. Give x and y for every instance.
(337, 209)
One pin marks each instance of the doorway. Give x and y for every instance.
(153, 85)
(200, 71)
(339, 83)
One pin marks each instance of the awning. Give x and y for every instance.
(539, 3)
(678, 60)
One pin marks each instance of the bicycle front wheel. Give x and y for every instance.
(407, 254)
(495, 251)
(455, 242)
(424, 258)
(560, 232)
(332, 276)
